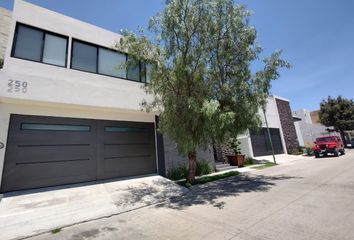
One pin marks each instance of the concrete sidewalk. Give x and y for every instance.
(282, 158)
(29, 213)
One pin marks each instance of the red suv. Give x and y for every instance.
(328, 145)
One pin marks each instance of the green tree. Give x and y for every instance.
(199, 66)
(338, 113)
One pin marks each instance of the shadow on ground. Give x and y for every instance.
(177, 197)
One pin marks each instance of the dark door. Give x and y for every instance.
(126, 149)
(261, 145)
(51, 151)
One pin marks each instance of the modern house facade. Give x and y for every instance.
(68, 114)
(281, 127)
(309, 128)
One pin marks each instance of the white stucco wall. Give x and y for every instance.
(308, 131)
(299, 134)
(54, 84)
(273, 122)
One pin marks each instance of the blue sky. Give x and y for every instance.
(317, 38)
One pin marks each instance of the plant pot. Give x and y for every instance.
(240, 160)
(232, 160)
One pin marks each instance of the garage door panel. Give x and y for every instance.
(261, 143)
(51, 138)
(52, 153)
(124, 167)
(49, 151)
(128, 150)
(27, 176)
(128, 138)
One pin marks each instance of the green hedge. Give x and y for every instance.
(181, 171)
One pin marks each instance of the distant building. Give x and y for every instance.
(281, 127)
(315, 118)
(309, 127)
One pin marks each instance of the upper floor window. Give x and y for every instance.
(31, 43)
(111, 63)
(92, 58)
(38, 45)
(84, 57)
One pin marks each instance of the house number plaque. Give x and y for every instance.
(16, 86)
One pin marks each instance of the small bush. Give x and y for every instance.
(294, 151)
(301, 150)
(308, 151)
(249, 161)
(177, 173)
(56, 230)
(180, 172)
(203, 168)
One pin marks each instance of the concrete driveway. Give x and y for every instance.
(308, 199)
(29, 213)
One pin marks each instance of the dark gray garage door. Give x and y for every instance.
(50, 151)
(261, 144)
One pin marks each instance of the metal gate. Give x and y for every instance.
(261, 144)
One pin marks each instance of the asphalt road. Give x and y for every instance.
(306, 199)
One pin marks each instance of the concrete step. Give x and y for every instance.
(223, 167)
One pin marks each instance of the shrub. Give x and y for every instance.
(308, 151)
(294, 151)
(248, 161)
(180, 172)
(203, 168)
(177, 173)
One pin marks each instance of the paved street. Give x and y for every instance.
(305, 199)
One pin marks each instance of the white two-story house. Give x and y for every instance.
(68, 114)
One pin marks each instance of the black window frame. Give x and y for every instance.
(98, 58)
(44, 32)
(72, 50)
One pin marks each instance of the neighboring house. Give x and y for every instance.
(281, 127)
(67, 114)
(309, 127)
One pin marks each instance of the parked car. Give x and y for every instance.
(328, 145)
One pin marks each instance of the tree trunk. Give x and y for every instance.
(192, 163)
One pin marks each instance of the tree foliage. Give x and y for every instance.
(201, 77)
(337, 112)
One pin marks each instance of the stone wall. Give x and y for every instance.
(287, 124)
(5, 22)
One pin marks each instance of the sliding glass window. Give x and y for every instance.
(39, 45)
(146, 71)
(112, 63)
(95, 59)
(133, 69)
(84, 57)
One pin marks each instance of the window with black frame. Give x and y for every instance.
(95, 59)
(38, 45)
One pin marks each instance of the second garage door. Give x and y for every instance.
(261, 145)
(49, 151)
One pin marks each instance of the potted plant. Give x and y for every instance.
(236, 159)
